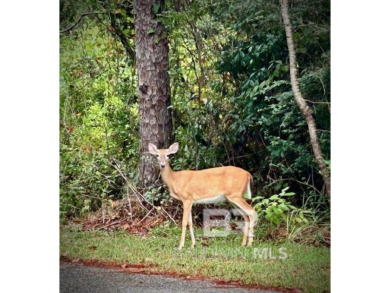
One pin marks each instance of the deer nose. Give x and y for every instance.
(162, 165)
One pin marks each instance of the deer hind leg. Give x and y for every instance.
(187, 205)
(250, 212)
(191, 229)
(246, 227)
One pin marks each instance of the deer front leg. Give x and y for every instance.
(186, 211)
(191, 229)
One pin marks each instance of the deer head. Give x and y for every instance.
(162, 154)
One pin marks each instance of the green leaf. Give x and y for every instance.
(257, 197)
(283, 207)
(156, 7)
(258, 205)
(150, 31)
(284, 190)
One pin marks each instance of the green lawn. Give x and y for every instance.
(304, 267)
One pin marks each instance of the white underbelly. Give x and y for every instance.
(216, 199)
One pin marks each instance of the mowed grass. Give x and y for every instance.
(304, 267)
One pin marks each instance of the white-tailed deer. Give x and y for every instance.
(206, 186)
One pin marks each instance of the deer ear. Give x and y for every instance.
(152, 149)
(173, 148)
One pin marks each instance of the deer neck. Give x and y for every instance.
(167, 175)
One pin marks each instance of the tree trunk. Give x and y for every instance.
(153, 85)
(303, 107)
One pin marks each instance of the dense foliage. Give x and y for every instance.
(232, 102)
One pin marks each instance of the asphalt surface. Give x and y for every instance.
(75, 278)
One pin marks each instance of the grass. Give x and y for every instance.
(306, 267)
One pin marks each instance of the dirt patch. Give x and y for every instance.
(151, 270)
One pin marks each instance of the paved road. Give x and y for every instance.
(76, 278)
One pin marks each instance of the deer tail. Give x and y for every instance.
(248, 189)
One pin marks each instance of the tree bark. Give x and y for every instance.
(303, 107)
(153, 85)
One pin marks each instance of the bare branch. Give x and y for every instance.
(138, 195)
(122, 37)
(71, 27)
(115, 29)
